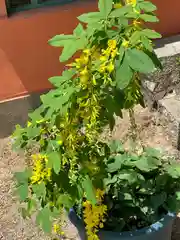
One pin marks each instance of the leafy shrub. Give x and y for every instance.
(73, 166)
(141, 188)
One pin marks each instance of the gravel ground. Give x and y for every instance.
(13, 227)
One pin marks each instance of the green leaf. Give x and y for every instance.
(22, 177)
(90, 17)
(59, 81)
(43, 218)
(147, 164)
(126, 197)
(71, 47)
(155, 59)
(116, 146)
(33, 131)
(105, 7)
(23, 191)
(149, 18)
(151, 34)
(147, 44)
(130, 176)
(79, 30)
(158, 200)
(60, 40)
(89, 189)
(120, 57)
(108, 181)
(31, 205)
(39, 190)
(64, 200)
(24, 213)
(153, 152)
(173, 204)
(132, 15)
(178, 195)
(139, 61)
(147, 6)
(54, 160)
(116, 165)
(120, 12)
(56, 99)
(124, 74)
(173, 170)
(37, 114)
(135, 38)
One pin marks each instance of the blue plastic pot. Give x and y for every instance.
(160, 230)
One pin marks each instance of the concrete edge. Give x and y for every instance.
(166, 47)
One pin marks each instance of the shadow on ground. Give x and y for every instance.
(16, 112)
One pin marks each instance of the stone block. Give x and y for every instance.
(170, 112)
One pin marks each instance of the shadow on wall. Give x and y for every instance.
(16, 112)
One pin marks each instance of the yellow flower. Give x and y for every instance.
(118, 5)
(84, 79)
(101, 225)
(87, 51)
(84, 71)
(40, 121)
(106, 52)
(136, 23)
(112, 44)
(81, 62)
(100, 194)
(110, 67)
(40, 172)
(94, 80)
(125, 43)
(56, 228)
(133, 2)
(59, 142)
(94, 215)
(29, 124)
(102, 68)
(103, 58)
(114, 53)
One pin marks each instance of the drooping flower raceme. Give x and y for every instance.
(94, 215)
(40, 171)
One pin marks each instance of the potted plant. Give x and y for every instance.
(109, 192)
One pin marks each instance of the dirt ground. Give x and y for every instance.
(13, 227)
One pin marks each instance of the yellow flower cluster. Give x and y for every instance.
(40, 171)
(132, 2)
(117, 5)
(137, 23)
(94, 215)
(57, 229)
(82, 65)
(108, 56)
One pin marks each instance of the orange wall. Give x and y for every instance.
(27, 61)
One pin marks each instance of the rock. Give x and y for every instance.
(170, 109)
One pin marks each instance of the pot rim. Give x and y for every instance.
(155, 227)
